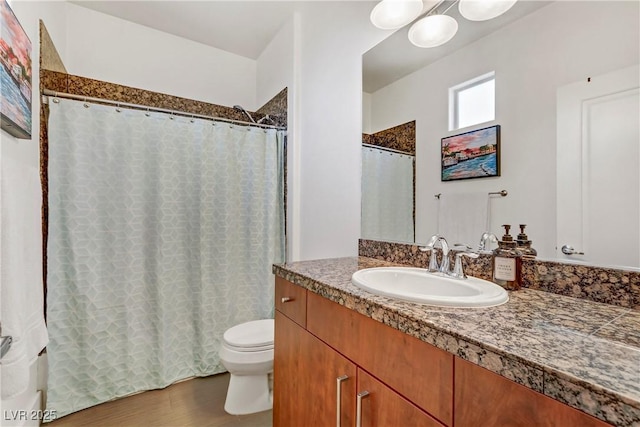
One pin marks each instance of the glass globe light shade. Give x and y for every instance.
(433, 30)
(392, 14)
(483, 10)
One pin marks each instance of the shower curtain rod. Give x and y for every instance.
(387, 149)
(48, 93)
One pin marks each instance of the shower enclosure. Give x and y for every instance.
(162, 233)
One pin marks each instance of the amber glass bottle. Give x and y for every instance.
(507, 262)
(524, 244)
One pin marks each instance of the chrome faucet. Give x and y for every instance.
(433, 262)
(458, 269)
(485, 240)
(464, 250)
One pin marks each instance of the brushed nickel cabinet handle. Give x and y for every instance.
(339, 382)
(361, 396)
(286, 299)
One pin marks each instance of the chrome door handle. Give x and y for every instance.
(286, 299)
(569, 250)
(339, 382)
(361, 396)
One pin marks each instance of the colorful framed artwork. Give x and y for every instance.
(15, 69)
(474, 154)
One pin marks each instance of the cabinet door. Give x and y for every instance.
(382, 407)
(487, 399)
(418, 371)
(305, 386)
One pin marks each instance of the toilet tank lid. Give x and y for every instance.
(250, 334)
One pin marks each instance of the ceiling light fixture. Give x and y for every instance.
(476, 10)
(393, 14)
(435, 28)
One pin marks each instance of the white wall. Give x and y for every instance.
(333, 37)
(276, 69)
(106, 48)
(367, 100)
(25, 154)
(318, 56)
(532, 57)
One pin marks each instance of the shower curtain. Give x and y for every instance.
(162, 233)
(387, 195)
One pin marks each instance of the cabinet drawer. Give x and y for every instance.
(418, 371)
(291, 300)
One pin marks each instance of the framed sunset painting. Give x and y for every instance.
(15, 75)
(474, 154)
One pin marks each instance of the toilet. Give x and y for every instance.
(247, 353)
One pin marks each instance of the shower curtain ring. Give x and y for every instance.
(118, 107)
(55, 98)
(147, 113)
(85, 103)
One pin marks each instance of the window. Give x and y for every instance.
(472, 102)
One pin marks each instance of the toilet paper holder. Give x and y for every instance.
(5, 344)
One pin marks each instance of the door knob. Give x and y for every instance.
(569, 250)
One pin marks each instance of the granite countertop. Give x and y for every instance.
(582, 353)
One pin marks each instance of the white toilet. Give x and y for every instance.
(247, 353)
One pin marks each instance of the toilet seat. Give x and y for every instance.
(256, 335)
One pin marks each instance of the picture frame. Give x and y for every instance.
(16, 73)
(469, 155)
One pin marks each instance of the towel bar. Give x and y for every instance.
(503, 193)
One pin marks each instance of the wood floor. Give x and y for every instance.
(197, 402)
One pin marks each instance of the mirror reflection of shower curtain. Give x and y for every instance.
(162, 234)
(387, 195)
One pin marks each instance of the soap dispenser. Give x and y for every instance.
(524, 244)
(507, 262)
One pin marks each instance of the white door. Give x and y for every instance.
(598, 166)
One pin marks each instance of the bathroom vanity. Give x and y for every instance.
(347, 357)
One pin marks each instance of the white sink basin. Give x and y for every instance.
(417, 285)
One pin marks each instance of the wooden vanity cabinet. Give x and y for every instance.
(485, 398)
(409, 382)
(291, 300)
(305, 379)
(420, 372)
(384, 407)
(307, 368)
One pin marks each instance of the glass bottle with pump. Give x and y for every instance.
(524, 244)
(507, 263)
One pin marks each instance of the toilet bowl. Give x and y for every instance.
(247, 353)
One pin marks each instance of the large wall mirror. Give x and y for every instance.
(563, 161)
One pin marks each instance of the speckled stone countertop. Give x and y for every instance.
(582, 353)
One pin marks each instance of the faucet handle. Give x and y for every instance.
(485, 242)
(429, 247)
(458, 269)
(433, 259)
(461, 247)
